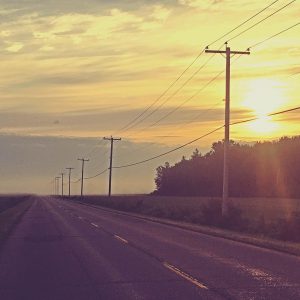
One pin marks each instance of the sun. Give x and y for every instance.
(264, 96)
(263, 125)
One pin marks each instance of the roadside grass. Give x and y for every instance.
(11, 210)
(268, 219)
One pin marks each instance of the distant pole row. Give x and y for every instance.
(70, 171)
(225, 198)
(83, 161)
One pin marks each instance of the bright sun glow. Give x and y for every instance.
(264, 96)
(264, 125)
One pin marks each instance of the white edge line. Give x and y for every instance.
(185, 276)
(121, 239)
(95, 225)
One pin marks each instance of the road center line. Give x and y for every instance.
(95, 225)
(185, 276)
(121, 239)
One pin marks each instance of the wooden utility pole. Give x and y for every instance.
(82, 172)
(62, 184)
(70, 170)
(228, 52)
(111, 139)
(57, 186)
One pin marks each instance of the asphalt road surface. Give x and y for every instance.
(64, 250)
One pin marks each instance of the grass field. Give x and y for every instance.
(275, 218)
(11, 210)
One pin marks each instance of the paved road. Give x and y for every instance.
(64, 250)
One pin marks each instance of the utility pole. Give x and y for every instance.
(111, 139)
(62, 184)
(70, 170)
(54, 186)
(82, 171)
(228, 52)
(57, 185)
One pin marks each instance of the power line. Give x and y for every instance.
(201, 137)
(235, 123)
(187, 100)
(94, 148)
(131, 123)
(134, 122)
(243, 23)
(175, 109)
(94, 176)
(198, 115)
(183, 103)
(181, 125)
(76, 181)
(269, 115)
(239, 34)
(274, 35)
(170, 151)
(173, 94)
(201, 113)
(262, 20)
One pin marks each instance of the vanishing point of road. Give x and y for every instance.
(63, 250)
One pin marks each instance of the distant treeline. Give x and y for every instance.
(265, 169)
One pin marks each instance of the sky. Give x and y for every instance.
(76, 71)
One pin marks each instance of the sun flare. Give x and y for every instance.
(264, 96)
(263, 125)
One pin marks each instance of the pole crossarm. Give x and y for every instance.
(224, 52)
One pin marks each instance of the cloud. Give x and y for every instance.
(202, 4)
(99, 122)
(87, 70)
(15, 47)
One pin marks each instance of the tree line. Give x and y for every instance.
(264, 169)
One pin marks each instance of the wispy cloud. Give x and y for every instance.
(86, 70)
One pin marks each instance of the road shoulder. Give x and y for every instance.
(11, 217)
(259, 241)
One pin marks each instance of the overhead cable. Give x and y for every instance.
(201, 137)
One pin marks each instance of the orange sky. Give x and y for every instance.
(86, 70)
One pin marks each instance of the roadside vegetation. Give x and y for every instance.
(264, 186)
(11, 210)
(265, 217)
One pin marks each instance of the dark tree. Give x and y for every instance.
(268, 169)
